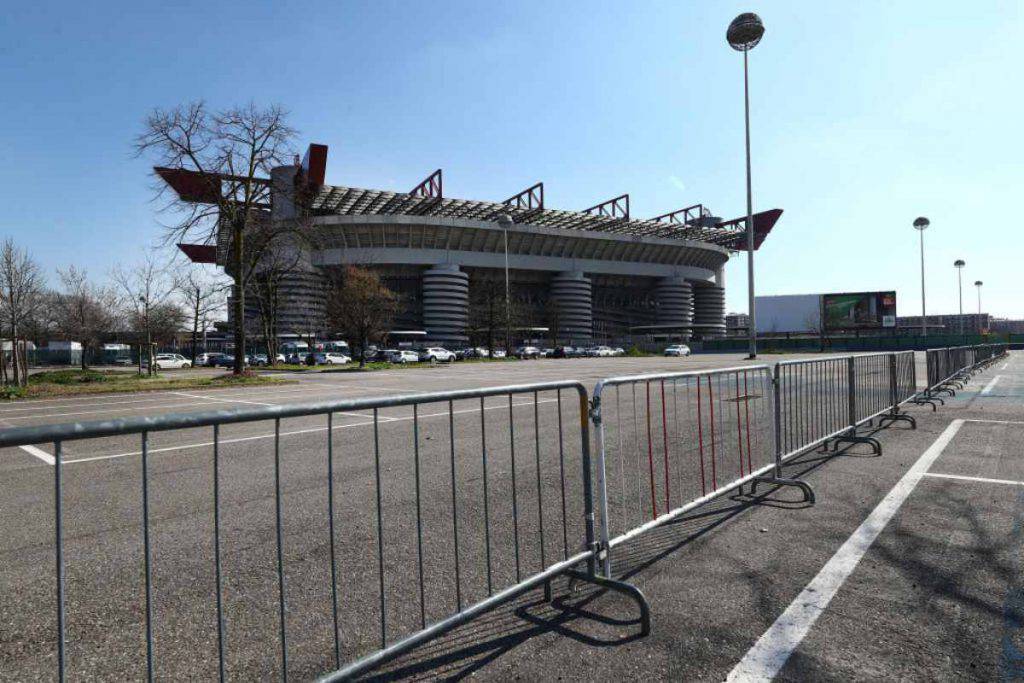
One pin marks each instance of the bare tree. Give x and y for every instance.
(361, 306)
(144, 288)
(232, 153)
(201, 295)
(21, 287)
(83, 310)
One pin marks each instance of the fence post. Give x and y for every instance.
(851, 392)
(893, 398)
(776, 382)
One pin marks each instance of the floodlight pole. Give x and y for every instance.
(752, 326)
(505, 221)
(921, 224)
(959, 265)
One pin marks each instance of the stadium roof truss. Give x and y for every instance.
(526, 208)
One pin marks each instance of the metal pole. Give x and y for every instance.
(924, 316)
(752, 329)
(960, 287)
(508, 300)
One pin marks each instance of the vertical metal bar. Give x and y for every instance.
(650, 452)
(216, 552)
(515, 501)
(777, 419)
(746, 411)
(700, 440)
(851, 392)
(711, 405)
(280, 547)
(147, 558)
(380, 529)
(893, 400)
(540, 501)
(330, 530)
(664, 441)
(588, 491)
(455, 506)
(739, 425)
(419, 511)
(561, 474)
(58, 523)
(487, 500)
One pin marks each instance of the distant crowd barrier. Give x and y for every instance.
(453, 503)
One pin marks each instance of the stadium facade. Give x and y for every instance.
(575, 276)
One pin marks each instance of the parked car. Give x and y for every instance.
(208, 360)
(169, 361)
(474, 352)
(331, 358)
(498, 353)
(600, 352)
(436, 354)
(227, 360)
(380, 355)
(564, 352)
(403, 356)
(678, 350)
(618, 351)
(527, 352)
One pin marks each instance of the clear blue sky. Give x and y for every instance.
(865, 115)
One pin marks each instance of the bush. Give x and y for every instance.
(8, 393)
(636, 352)
(72, 377)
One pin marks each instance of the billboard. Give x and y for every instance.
(859, 310)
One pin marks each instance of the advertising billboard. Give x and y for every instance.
(859, 310)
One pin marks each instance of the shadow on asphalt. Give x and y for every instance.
(575, 611)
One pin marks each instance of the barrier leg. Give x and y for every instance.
(897, 416)
(784, 481)
(853, 437)
(627, 589)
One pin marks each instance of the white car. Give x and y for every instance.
(170, 361)
(678, 350)
(601, 352)
(436, 354)
(331, 358)
(403, 356)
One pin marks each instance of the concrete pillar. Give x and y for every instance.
(708, 309)
(571, 294)
(446, 304)
(674, 296)
(720, 277)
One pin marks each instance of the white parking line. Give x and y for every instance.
(982, 480)
(311, 430)
(769, 654)
(220, 400)
(33, 451)
(991, 385)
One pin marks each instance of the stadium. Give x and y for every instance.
(575, 277)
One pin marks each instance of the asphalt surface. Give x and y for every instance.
(936, 596)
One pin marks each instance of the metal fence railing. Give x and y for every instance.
(947, 368)
(400, 518)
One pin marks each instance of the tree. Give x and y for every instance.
(145, 290)
(21, 287)
(232, 153)
(487, 309)
(201, 295)
(83, 311)
(361, 306)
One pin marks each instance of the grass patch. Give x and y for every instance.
(85, 382)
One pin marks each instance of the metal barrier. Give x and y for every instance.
(949, 368)
(451, 513)
(448, 513)
(668, 443)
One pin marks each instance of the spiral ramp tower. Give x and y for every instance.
(446, 304)
(573, 296)
(674, 296)
(708, 310)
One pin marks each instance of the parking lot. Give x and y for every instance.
(943, 551)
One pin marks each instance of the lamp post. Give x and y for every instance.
(978, 284)
(959, 265)
(743, 34)
(921, 224)
(505, 221)
(149, 339)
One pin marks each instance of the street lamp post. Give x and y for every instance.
(921, 224)
(978, 284)
(743, 34)
(505, 221)
(959, 265)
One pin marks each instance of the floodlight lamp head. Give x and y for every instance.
(921, 223)
(505, 220)
(978, 283)
(959, 263)
(745, 32)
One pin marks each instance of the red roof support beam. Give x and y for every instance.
(683, 216)
(763, 224)
(199, 253)
(613, 208)
(197, 187)
(314, 164)
(431, 187)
